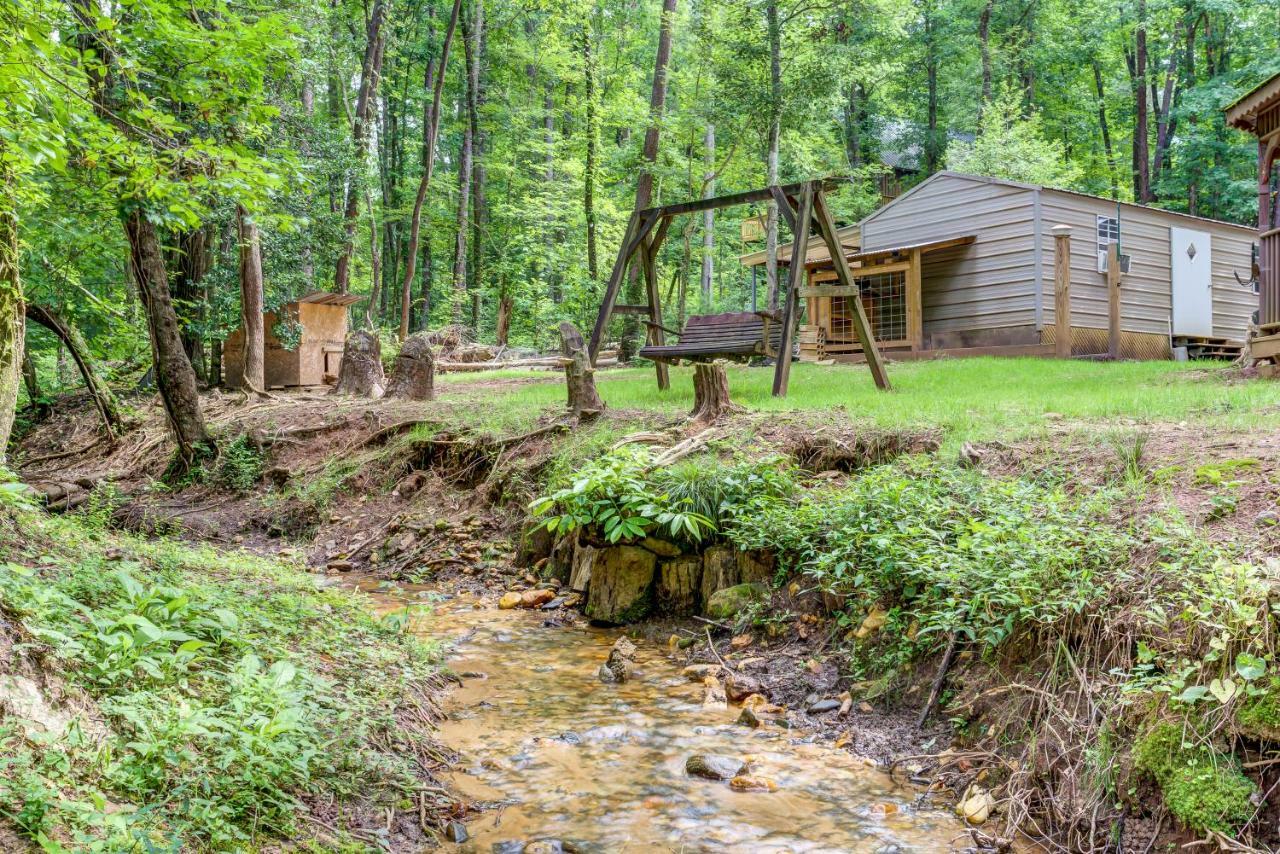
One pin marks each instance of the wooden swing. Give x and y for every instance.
(738, 335)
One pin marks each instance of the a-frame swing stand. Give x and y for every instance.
(804, 206)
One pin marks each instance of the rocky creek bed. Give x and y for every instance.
(555, 759)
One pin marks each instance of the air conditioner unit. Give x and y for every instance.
(1125, 261)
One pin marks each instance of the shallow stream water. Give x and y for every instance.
(562, 757)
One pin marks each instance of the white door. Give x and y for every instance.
(1192, 262)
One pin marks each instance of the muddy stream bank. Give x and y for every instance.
(563, 761)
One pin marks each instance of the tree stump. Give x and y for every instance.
(414, 375)
(579, 376)
(710, 392)
(361, 372)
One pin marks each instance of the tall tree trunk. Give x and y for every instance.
(430, 132)
(73, 342)
(933, 143)
(774, 26)
(1163, 103)
(1141, 132)
(253, 374)
(853, 124)
(644, 186)
(190, 261)
(304, 149)
(503, 329)
(175, 379)
(709, 215)
(475, 101)
(370, 72)
(984, 44)
(589, 174)
(11, 311)
(464, 194)
(31, 380)
(1105, 129)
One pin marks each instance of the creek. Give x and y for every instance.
(569, 763)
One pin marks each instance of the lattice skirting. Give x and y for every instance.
(1133, 345)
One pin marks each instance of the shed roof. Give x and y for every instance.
(949, 175)
(1243, 112)
(327, 298)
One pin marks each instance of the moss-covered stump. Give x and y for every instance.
(678, 582)
(727, 603)
(621, 586)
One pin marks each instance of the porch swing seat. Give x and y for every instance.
(737, 336)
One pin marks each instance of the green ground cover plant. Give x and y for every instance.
(229, 690)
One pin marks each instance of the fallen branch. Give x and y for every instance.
(938, 680)
(62, 454)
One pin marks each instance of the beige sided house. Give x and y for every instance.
(964, 265)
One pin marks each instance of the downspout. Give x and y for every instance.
(1038, 236)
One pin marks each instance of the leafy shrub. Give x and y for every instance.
(239, 466)
(230, 686)
(623, 495)
(723, 491)
(957, 551)
(613, 494)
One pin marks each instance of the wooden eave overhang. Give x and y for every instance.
(889, 254)
(1243, 114)
(326, 298)
(850, 239)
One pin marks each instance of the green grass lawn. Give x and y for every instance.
(980, 398)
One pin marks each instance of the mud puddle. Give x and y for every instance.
(566, 761)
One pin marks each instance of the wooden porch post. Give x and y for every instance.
(1062, 291)
(915, 302)
(637, 230)
(795, 276)
(827, 228)
(1113, 301)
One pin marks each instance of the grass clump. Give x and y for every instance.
(1201, 788)
(226, 691)
(238, 467)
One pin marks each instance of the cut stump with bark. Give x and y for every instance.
(584, 401)
(710, 392)
(361, 372)
(414, 375)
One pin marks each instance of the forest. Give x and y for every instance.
(959, 598)
(475, 163)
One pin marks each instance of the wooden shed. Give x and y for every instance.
(1258, 112)
(318, 322)
(964, 265)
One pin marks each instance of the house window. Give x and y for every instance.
(1108, 233)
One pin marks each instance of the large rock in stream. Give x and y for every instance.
(621, 585)
(714, 767)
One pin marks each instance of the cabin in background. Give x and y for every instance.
(964, 265)
(1258, 112)
(322, 318)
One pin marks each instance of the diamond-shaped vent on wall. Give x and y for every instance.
(1191, 251)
